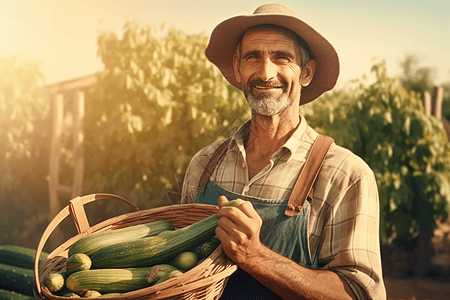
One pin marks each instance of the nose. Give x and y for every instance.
(267, 70)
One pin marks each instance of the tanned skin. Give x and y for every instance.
(271, 55)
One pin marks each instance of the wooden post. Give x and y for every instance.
(55, 154)
(438, 95)
(426, 99)
(78, 144)
(428, 107)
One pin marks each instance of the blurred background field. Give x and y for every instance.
(131, 126)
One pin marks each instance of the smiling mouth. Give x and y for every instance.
(266, 87)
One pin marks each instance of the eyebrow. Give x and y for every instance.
(252, 52)
(277, 52)
(284, 53)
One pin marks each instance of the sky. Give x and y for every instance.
(63, 34)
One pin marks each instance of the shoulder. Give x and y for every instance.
(343, 175)
(347, 184)
(346, 177)
(347, 164)
(340, 161)
(195, 170)
(201, 158)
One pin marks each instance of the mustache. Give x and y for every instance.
(269, 84)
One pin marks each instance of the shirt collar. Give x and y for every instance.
(239, 137)
(292, 144)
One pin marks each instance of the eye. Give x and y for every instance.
(283, 58)
(251, 57)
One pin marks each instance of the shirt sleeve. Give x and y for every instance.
(350, 238)
(190, 183)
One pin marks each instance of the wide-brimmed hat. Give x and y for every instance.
(224, 38)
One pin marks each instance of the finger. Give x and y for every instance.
(226, 241)
(230, 231)
(236, 224)
(233, 213)
(223, 236)
(222, 200)
(228, 225)
(244, 211)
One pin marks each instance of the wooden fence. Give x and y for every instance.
(433, 106)
(61, 94)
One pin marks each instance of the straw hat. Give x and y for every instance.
(224, 38)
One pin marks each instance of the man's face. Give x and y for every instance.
(269, 70)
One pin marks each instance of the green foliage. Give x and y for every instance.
(159, 101)
(24, 142)
(156, 104)
(407, 150)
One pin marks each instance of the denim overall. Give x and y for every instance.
(287, 235)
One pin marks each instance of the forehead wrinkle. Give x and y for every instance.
(268, 42)
(259, 40)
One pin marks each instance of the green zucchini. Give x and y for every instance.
(55, 281)
(110, 295)
(185, 260)
(91, 294)
(109, 280)
(205, 249)
(19, 256)
(91, 243)
(201, 260)
(156, 249)
(71, 295)
(78, 262)
(11, 295)
(17, 279)
(63, 291)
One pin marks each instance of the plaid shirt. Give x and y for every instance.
(344, 222)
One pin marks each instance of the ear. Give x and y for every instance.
(308, 73)
(236, 65)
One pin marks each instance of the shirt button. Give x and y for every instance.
(246, 189)
(244, 165)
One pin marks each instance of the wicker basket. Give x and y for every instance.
(205, 281)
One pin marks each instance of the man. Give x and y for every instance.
(324, 248)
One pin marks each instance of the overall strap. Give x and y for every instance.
(303, 186)
(215, 157)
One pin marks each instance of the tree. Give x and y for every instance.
(24, 143)
(419, 79)
(416, 78)
(156, 104)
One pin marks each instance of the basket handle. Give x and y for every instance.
(76, 209)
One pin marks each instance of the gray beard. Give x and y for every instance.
(267, 106)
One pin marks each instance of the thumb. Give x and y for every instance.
(222, 200)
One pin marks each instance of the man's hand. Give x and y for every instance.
(238, 229)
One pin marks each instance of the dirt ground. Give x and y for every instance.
(434, 286)
(417, 289)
